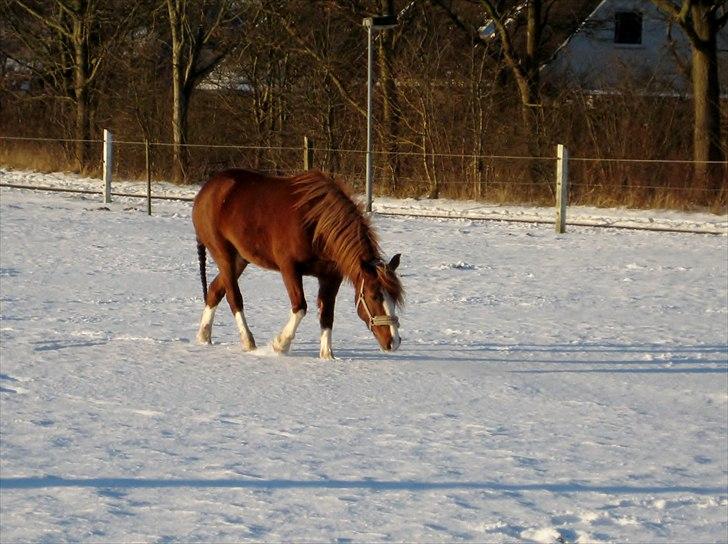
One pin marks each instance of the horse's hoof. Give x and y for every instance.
(281, 346)
(204, 335)
(326, 355)
(248, 343)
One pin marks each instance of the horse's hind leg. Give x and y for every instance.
(294, 286)
(230, 274)
(215, 292)
(226, 283)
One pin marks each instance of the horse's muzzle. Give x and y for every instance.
(394, 344)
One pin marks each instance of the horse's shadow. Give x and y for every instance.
(47, 482)
(54, 345)
(547, 358)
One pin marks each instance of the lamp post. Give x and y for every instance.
(372, 24)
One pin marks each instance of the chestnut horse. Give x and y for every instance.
(305, 225)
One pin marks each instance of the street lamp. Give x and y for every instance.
(372, 24)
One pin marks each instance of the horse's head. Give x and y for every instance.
(378, 293)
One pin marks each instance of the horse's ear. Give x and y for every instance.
(394, 263)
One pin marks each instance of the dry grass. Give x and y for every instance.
(36, 156)
(593, 184)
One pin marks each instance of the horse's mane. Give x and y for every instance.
(341, 228)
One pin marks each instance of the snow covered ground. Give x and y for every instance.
(549, 388)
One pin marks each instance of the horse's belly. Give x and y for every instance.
(265, 250)
(256, 250)
(261, 260)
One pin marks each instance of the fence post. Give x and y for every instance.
(108, 164)
(307, 153)
(149, 176)
(562, 187)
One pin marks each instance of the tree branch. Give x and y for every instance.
(505, 39)
(722, 19)
(45, 20)
(324, 65)
(680, 16)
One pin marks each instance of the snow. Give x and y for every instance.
(549, 388)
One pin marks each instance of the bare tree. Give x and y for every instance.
(389, 51)
(701, 20)
(513, 36)
(305, 42)
(524, 65)
(335, 61)
(69, 41)
(199, 42)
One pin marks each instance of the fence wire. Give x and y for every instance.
(373, 152)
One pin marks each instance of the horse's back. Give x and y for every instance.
(227, 183)
(254, 212)
(233, 191)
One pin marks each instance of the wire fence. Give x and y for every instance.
(489, 177)
(374, 151)
(363, 151)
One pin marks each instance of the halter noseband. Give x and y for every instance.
(374, 320)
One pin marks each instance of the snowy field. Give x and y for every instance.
(549, 388)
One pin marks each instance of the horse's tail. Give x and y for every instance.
(202, 257)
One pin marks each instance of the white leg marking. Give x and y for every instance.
(204, 335)
(246, 337)
(325, 352)
(393, 329)
(282, 342)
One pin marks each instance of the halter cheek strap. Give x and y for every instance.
(375, 320)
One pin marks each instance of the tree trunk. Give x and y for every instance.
(330, 125)
(533, 45)
(82, 131)
(179, 107)
(478, 115)
(180, 152)
(706, 100)
(390, 108)
(529, 82)
(190, 37)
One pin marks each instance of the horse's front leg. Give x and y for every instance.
(294, 285)
(328, 289)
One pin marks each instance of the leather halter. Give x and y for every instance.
(374, 320)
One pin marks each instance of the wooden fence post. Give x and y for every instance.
(108, 164)
(307, 153)
(149, 176)
(562, 187)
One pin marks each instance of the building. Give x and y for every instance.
(629, 44)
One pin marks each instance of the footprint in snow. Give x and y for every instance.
(460, 265)
(11, 387)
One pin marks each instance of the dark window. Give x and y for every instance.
(628, 27)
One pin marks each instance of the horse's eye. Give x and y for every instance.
(378, 297)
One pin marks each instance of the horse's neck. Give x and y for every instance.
(358, 275)
(349, 249)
